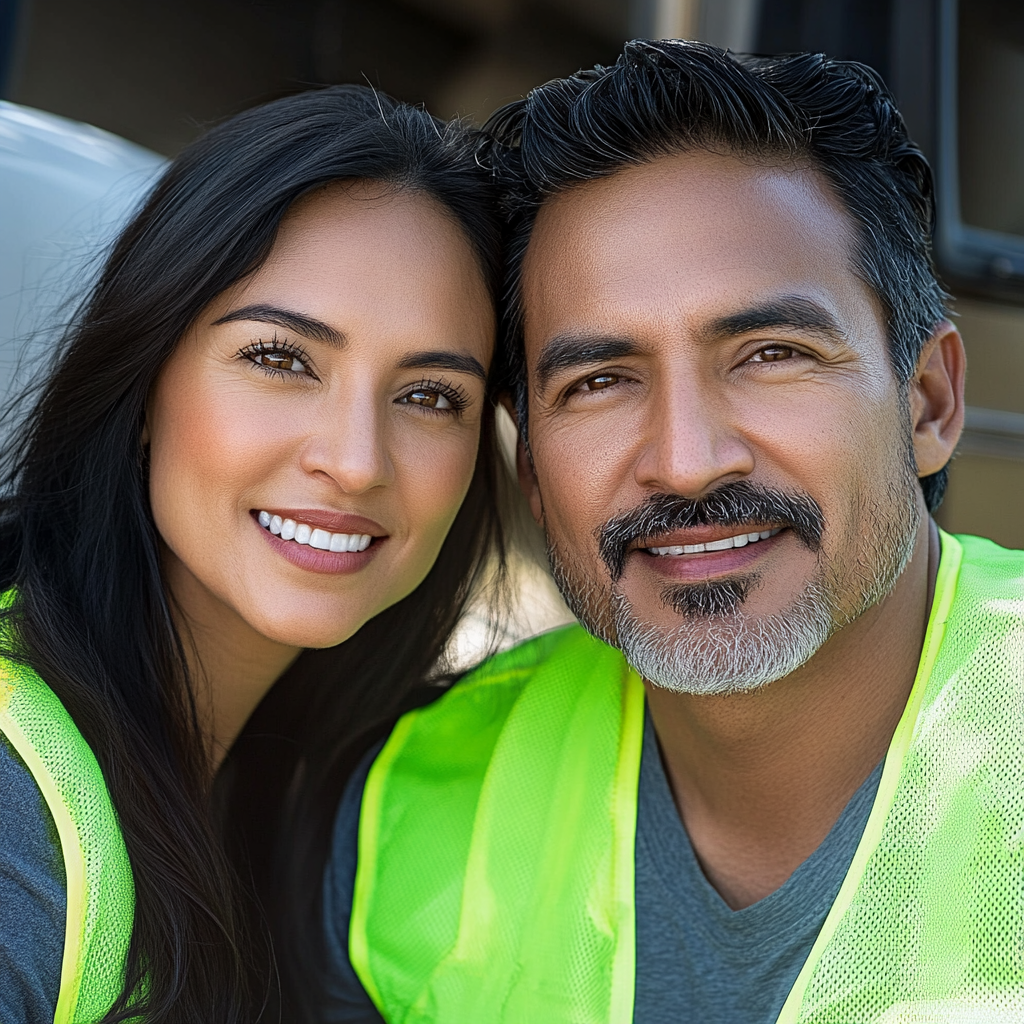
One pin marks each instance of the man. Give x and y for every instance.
(737, 394)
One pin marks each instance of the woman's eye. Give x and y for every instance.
(772, 354)
(277, 358)
(428, 399)
(600, 381)
(280, 361)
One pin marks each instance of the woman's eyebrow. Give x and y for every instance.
(307, 326)
(460, 362)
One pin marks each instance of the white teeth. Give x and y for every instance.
(739, 541)
(719, 545)
(317, 538)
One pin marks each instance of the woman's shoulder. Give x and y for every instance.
(33, 898)
(62, 857)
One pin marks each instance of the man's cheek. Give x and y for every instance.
(573, 525)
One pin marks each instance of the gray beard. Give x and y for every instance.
(726, 654)
(717, 648)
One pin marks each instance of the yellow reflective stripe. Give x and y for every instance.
(366, 874)
(942, 602)
(624, 809)
(74, 868)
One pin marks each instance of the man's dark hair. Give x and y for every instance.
(666, 97)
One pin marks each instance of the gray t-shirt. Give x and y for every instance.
(697, 960)
(33, 897)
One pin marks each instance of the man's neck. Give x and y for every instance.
(760, 778)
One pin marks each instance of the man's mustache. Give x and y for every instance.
(741, 503)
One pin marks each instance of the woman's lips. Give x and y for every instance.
(320, 541)
(318, 518)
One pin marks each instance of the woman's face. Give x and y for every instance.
(313, 436)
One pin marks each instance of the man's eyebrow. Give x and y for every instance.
(459, 362)
(565, 351)
(792, 311)
(307, 326)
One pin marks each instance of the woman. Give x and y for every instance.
(240, 476)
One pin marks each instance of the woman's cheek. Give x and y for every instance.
(436, 478)
(202, 451)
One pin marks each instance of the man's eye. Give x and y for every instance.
(280, 361)
(772, 354)
(600, 381)
(428, 399)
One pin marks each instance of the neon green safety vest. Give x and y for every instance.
(495, 881)
(100, 891)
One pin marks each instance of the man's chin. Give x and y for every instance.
(724, 651)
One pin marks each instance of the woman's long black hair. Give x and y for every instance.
(78, 541)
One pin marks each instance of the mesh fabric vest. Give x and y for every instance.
(100, 891)
(495, 880)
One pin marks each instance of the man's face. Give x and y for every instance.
(722, 453)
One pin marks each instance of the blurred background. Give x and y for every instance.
(157, 71)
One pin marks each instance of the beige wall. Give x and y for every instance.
(986, 494)
(986, 497)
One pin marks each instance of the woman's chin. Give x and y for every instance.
(299, 620)
(306, 632)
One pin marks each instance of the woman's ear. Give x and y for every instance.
(524, 465)
(937, 399)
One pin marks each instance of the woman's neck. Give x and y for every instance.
(230, 664)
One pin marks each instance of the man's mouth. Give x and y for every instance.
(738, 540)
(732, 516)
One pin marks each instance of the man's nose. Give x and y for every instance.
(347, 443)
(691, 442)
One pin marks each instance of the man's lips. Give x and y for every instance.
(680, 563)
(700, 539)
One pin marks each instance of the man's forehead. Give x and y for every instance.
(677, 178)
(690, 230)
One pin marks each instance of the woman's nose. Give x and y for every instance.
(348, 445)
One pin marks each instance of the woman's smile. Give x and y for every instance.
(319, 540)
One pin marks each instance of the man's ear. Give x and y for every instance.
(937, 399)
(524, 464)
